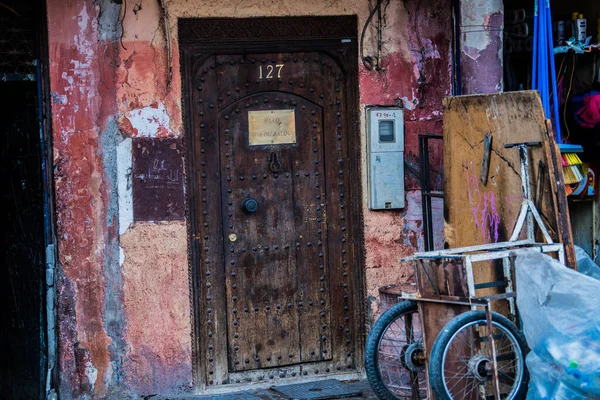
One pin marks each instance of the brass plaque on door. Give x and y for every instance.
(271, 127)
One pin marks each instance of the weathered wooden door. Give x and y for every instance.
(273, 213)
(275, 223)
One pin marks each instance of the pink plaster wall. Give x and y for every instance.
(158, 312)
(124, 300)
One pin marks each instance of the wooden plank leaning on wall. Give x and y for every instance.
(478, 213)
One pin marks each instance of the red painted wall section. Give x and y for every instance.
(81, 102)
(416, 73)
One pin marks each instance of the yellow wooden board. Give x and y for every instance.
(478, 213)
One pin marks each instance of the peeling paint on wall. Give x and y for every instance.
(150, 121)
(481, 44)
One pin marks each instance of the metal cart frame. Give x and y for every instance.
(505, 251)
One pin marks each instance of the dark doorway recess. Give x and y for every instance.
(274, 200)
(26, 201)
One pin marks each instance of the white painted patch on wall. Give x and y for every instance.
(69, 80)
(125, 194)
(413, 206)
(409, 104)
(108, 373)
(149, 121)
(121, 256)
(92, 374)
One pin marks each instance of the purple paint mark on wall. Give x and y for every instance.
(513, 205)
(483, 208)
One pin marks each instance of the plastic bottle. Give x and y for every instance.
(581, 28)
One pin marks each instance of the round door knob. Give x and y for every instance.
(250, 205)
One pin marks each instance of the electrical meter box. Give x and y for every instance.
(385, 155)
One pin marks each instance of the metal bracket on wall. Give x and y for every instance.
(426, 193)
(485, 161)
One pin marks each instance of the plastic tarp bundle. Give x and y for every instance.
(560, 310)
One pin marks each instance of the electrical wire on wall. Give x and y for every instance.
(422, 80)
(372, 63)
(121, 22)
(164, 22)
(167, 32)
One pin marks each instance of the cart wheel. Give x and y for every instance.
(394, 358)
(460, 364)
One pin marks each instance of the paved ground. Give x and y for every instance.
(267, 394)
(363, 386)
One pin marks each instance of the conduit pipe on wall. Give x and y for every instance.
(167, 32)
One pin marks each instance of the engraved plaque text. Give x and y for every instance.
(271, 127)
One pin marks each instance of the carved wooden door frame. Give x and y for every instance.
(201, 38)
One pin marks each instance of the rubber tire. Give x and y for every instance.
(371, 359)
(436, 381)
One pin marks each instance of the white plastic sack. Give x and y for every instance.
(560, 310)
(585, 264)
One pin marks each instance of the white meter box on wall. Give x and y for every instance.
(385, 155)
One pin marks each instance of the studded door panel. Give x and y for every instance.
(277, 281)
(277, 284)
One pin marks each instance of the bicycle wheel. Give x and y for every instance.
(394, 358)
(461, 359)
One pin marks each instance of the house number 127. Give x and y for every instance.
(269, 71)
